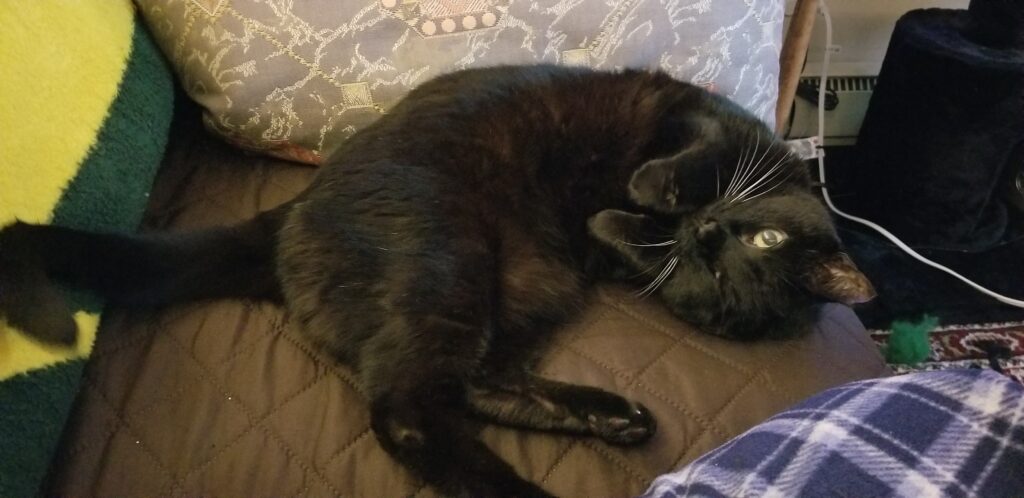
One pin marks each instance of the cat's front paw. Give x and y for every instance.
(628, 425)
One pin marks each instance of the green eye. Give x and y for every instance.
(768, 238)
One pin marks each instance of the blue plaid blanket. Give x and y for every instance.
(950, 433)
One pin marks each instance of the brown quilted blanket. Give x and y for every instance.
(225, 398)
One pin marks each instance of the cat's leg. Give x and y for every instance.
(414, 373)
(534, 402)
(539, 292)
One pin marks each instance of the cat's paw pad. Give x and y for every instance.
(633, 424)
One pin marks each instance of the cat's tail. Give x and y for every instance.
(140, 270)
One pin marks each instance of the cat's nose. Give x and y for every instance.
(710, 234)
(706, 229)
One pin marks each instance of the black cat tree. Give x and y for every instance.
(943, 139)
(937, 162)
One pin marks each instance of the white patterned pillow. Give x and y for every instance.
(294, 78)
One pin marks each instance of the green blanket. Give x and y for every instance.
(86, 108)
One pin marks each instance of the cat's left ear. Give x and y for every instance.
(836, 278)
(654, 184)
(685, 180)
(620, 230)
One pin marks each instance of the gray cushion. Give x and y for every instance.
(296, 79)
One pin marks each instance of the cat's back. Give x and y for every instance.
(490, 126)
(503, 143)
(510, 105)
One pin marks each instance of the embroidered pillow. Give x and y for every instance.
(295, 79)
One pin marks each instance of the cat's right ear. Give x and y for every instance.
(620, 231)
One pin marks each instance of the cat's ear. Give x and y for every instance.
(685, 180)
(836, 278)
(620, 230)
(654, 184)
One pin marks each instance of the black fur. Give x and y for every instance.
(441, 245)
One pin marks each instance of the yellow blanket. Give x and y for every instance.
(85, 110)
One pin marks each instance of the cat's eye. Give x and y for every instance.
(767, 238)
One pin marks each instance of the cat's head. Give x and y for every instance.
(743, 253)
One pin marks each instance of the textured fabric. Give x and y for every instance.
(33, 410)
(78, 154)
(60, 76)
(85, 114)
(953, 433)
(979, 345)
(227, 399)
(296, 78)
(943, 130)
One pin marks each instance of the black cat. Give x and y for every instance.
(440, 247)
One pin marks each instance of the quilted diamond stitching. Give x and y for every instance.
(285, 448)
(597, 361)
(252, 426)
(630, 470)
(750, 382)
(137, 338)
(658, 327)
(558, 461)
(108, 343)
(246, 348)
(332, 366)
(126, 425)
(783, 391)
(650, 390)
(82, 444)
(654, 361)
(704, 422)
(344, 412)
(347, 446)
(294, 457)
(268, 376)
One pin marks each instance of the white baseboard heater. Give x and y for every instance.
(842, 124)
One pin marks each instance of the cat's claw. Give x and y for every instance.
(636, 427)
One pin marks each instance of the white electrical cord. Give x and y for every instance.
(828, 200)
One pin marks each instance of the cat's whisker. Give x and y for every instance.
(752, 166)
(761, 194)
(658, 244)
(655, 266)
(746, 168)
(735, 171)
(775, 169)
(671, 266)
(757, 167)
(653, 286)
(770, 189)
(718, 180)
(743, 166)
(642, 293)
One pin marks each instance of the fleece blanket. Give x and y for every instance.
(949, 433)
(86, 108)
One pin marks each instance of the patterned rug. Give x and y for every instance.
(999, 346)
